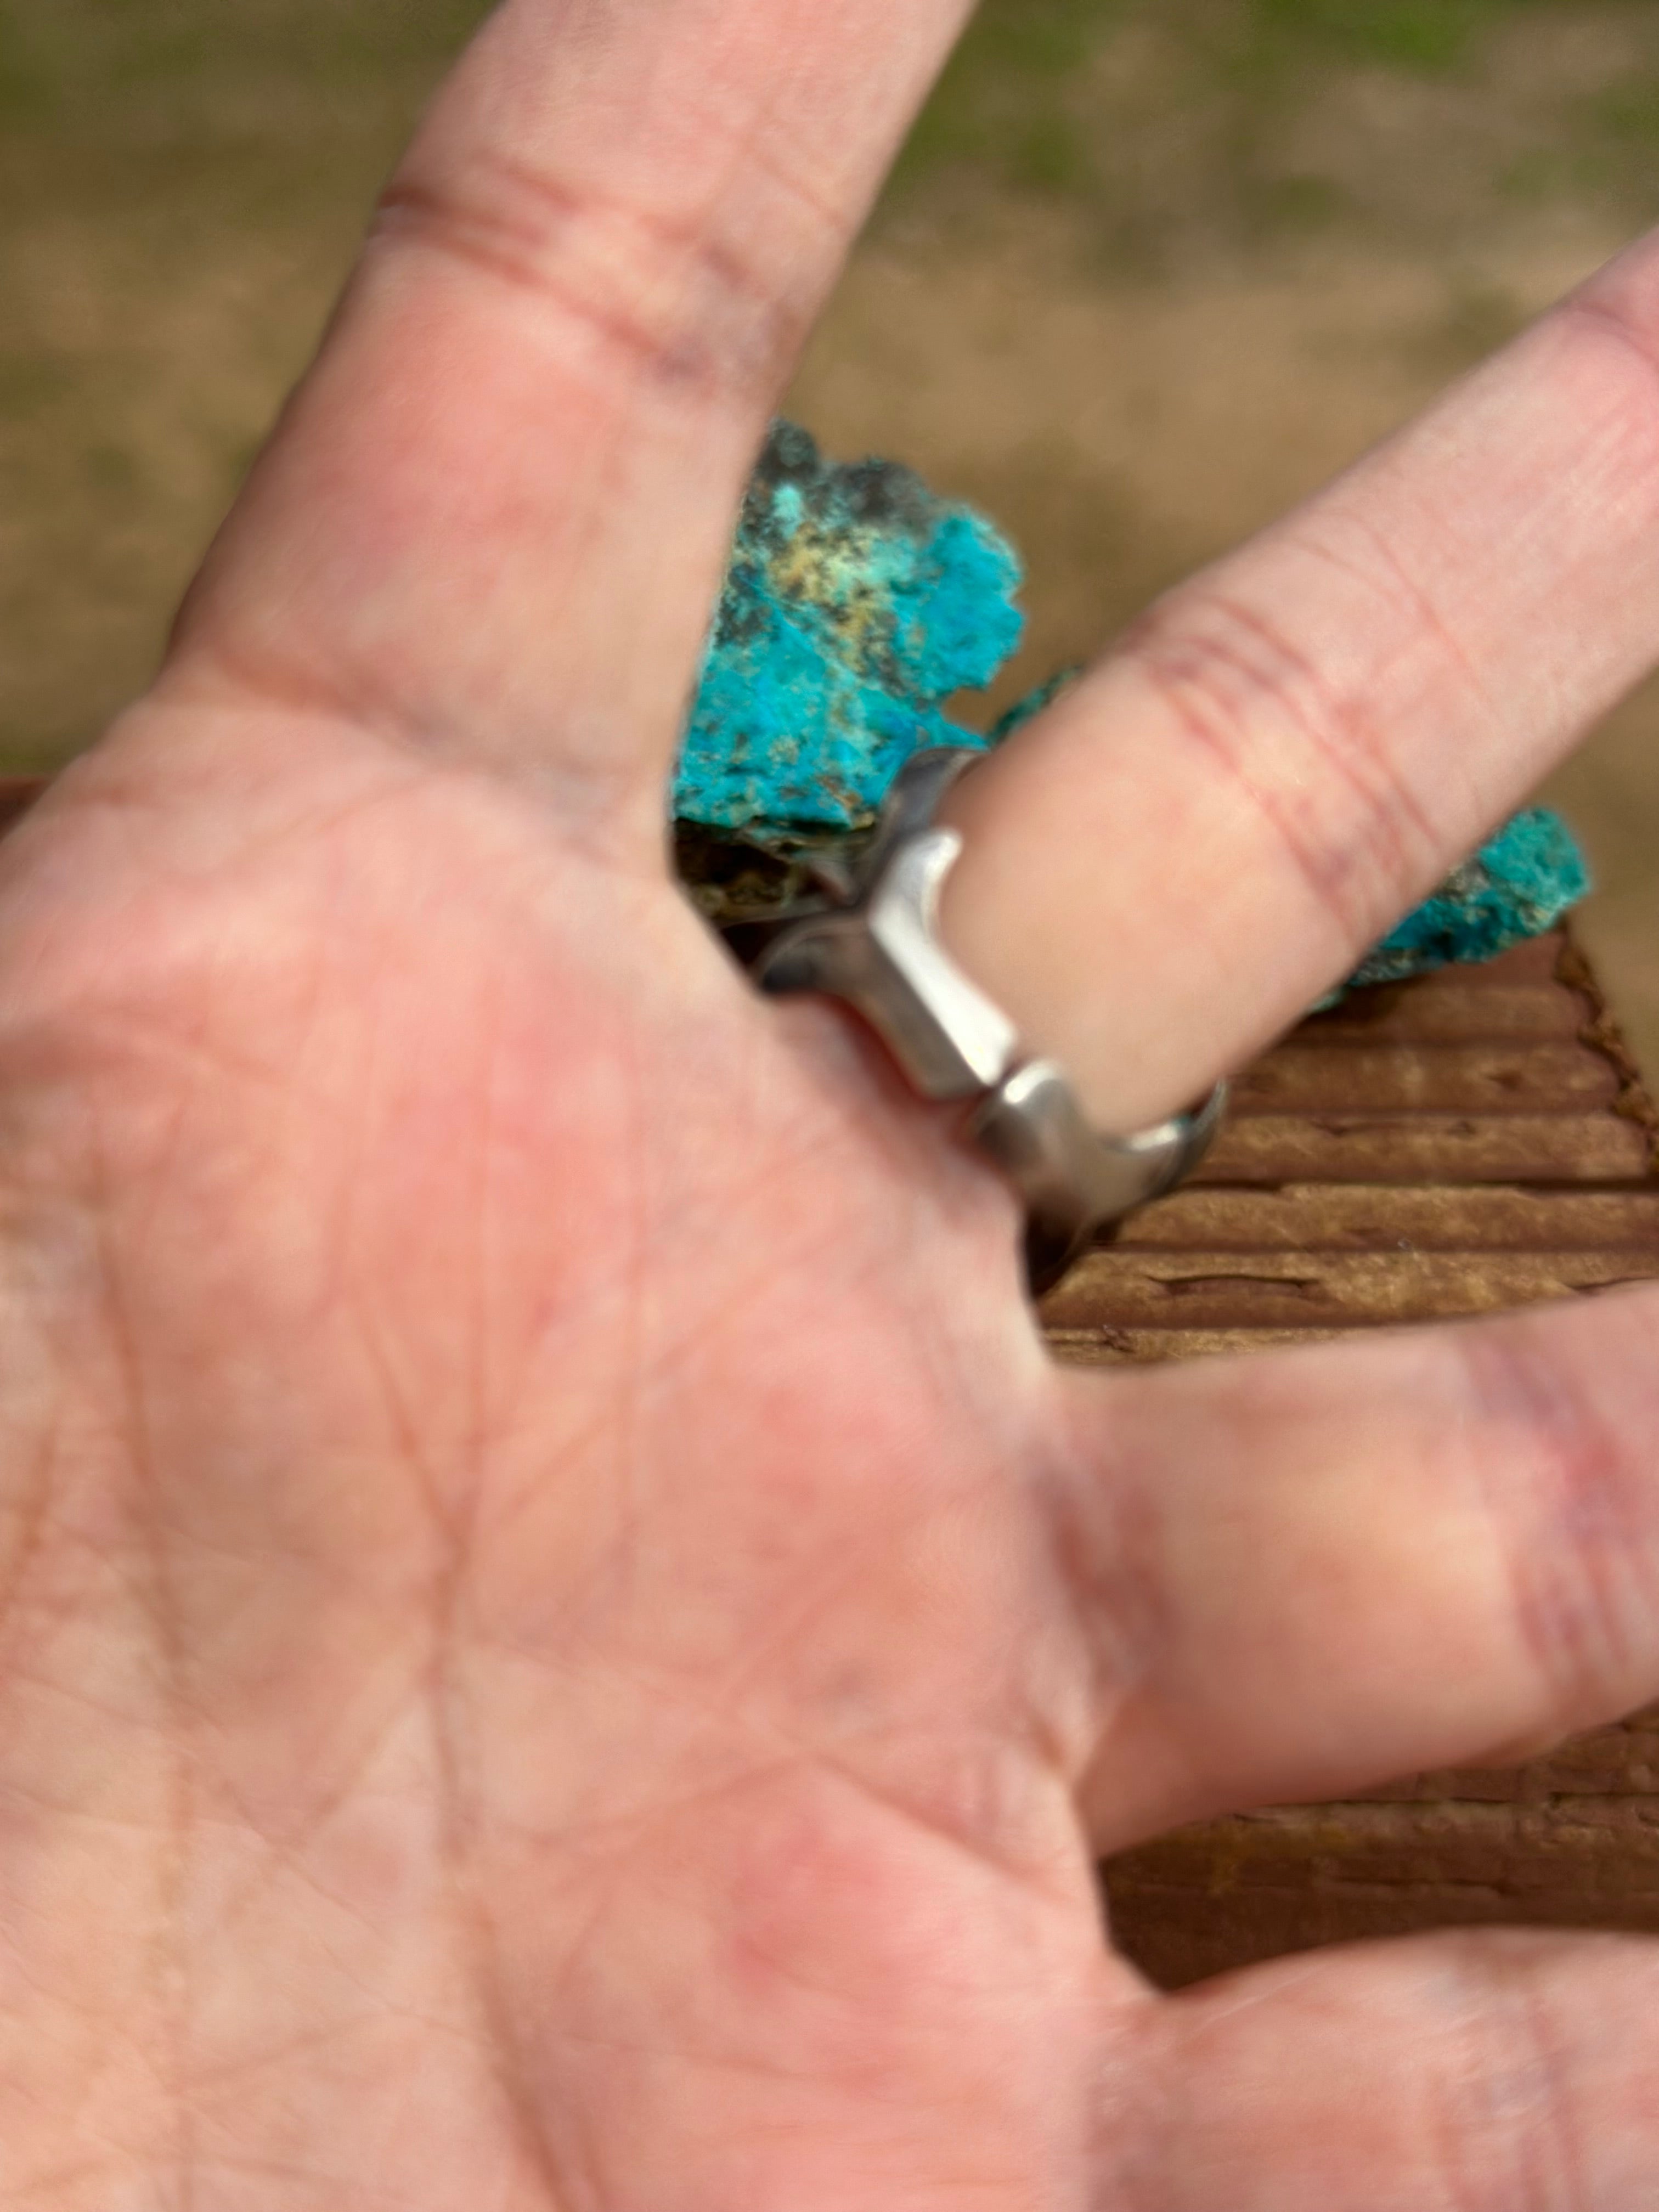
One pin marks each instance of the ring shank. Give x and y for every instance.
(880, 954)
(1076, 1183)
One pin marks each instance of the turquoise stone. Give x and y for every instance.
(856, 605)
(858, 602)
(1519, 885)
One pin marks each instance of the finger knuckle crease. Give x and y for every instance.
(1617, 325)
(1512, 2138)
(1573, 1517)
(678, 300)
(1235, 683)
(1620, 406)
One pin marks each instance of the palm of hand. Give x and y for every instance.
(561, 1644)
(596, 1724)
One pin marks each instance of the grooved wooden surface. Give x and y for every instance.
(1456, 1145)
(1460, 1145)
(1468, 1142)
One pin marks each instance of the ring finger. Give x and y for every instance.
(1287, 753)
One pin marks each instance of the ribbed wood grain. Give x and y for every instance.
(1384, 1147)
(1352, 1075)
(1395, 1161)
(1339, 1217)
(1326, 1290)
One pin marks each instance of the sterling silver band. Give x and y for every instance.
(875, 945)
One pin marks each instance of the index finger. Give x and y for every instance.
(496, 514)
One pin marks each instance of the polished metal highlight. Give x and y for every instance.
(879, 950)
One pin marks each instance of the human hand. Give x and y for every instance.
(562, 1643)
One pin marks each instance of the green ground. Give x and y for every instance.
(1149, 269)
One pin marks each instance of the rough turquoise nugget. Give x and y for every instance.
(1519, 885)
(857, 603)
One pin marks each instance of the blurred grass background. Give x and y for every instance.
(1148, 270)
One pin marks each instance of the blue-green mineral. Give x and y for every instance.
(858, 602)
(1519, 885)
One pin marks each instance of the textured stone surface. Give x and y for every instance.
(856, 605)
(1518, 885)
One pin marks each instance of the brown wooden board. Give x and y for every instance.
(1470, 1141)
(1459, 1144)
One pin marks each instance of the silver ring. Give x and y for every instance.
(873, 943)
